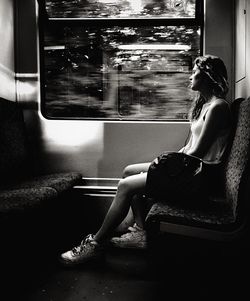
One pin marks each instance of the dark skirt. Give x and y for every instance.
(176, 177)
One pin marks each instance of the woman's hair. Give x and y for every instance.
(216, 72)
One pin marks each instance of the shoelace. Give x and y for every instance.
(77, 250)
(133, 233)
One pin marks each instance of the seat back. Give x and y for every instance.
(236, 165)
(13, 142)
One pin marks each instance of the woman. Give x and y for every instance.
(210, 129)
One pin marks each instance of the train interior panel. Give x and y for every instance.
(86, 89)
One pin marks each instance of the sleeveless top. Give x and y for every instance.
(215, 152)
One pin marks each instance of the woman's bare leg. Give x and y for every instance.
(137, 204)
(127, 188)
(90, 249)
(135, 169)
(139, 210)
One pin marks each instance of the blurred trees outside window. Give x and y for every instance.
(121, 60)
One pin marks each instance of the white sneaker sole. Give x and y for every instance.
(141, 246)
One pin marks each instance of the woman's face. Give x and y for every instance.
(198, 79)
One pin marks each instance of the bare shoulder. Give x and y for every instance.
(220, 112)
(220, 106)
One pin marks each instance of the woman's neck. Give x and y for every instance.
(207, 96)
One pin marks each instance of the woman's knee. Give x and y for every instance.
(124, 186)
(129, 170)
(134, 169)
(132, 185)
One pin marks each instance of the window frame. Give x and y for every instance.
(44, 19)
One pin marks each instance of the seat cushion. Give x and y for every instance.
(61, 182)
(26, 198)
(211, 214)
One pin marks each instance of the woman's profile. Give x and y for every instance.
(210, 129)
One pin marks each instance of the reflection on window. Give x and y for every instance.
(121, 8)
(117, 72)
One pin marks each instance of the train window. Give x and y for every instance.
(121, 60)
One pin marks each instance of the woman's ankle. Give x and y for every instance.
(139, 226)
(99, 241)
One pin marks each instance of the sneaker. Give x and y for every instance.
(88, 250)
(136, 238)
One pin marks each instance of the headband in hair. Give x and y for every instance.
(217, 78)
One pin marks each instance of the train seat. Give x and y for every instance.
(20, 186)
(221, 218)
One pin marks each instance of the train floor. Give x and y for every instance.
(173, 272)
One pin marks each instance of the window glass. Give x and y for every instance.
(121, 8)
(117, 72)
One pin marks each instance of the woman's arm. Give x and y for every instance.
(187, 146)
(217, 118)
